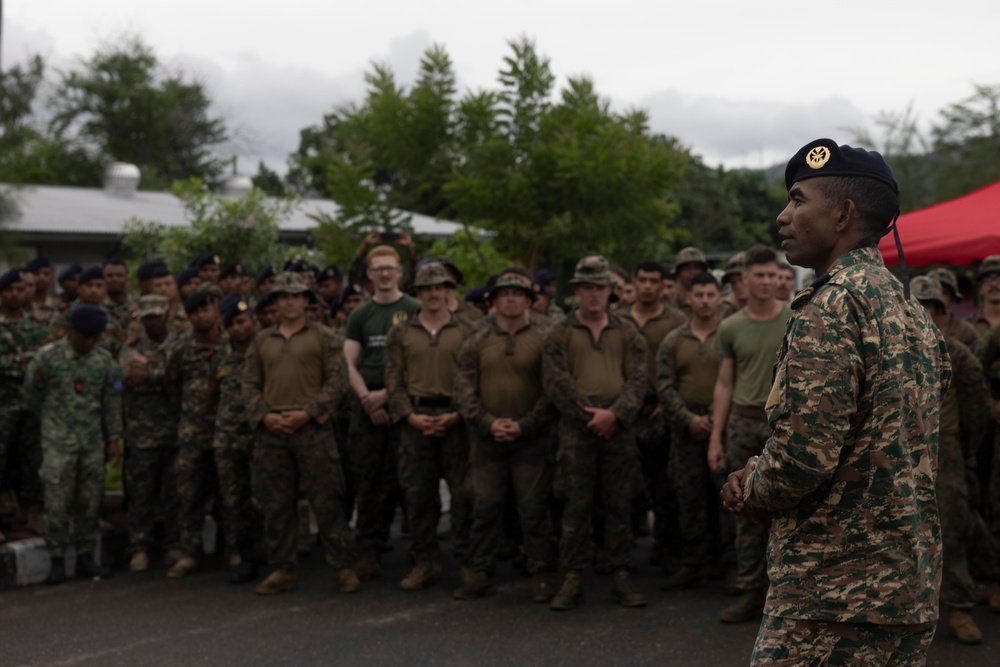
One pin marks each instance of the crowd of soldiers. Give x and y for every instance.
(558, 433)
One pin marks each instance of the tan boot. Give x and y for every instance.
(541, 587)
(963, 628)
(686, 577)
(183, 567)
(570, 595)
(233, 560)
(171, 557)
(625, 591)
(749, 606)
(280, 581)
(475, 585)
(423, 574)
(347, 580)
(139, 563)
(995, 603)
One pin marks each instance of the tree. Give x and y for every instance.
(128, 107)
(269, 181)
(966, 144)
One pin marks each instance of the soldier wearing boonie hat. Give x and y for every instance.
(292, 283)
(988, 289)
(959, 329)
(856, 351)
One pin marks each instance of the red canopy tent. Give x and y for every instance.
(960, 231)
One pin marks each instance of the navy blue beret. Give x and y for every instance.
(231, 306)
(70, 272)
(88, 320)
(263, 302)
(11, 277)
(331, 272)
(200, 298)
(186, 276)
(146, 269)
(203, 259)
(235, 269)
(35, 263)
(264, 274)
(91, 273)
(477, 294)
(545, 277)
(296, 265)
(823, 157)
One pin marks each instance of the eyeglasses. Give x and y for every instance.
(990, 278)
(383, 269)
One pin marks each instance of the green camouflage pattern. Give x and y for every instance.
(233, 445)
(850, 467)
(150, 408)
(151, 480)
(191, 374)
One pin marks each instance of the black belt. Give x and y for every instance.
(431, 401)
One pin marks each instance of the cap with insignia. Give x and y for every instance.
(90, 274)
(35, 263)
(947, 279)
(691, 255)
(146, 269)
(331, 272)
(186, 276)
(264, 274)
(13, 276)
(927, 288)
(989, 265)
(71, 272)
(823, 157)
(229, 270)
(478, 295)
(198, 299)
(204, 259)
(432, 273)
(352, 289)
(231, 307)
(593, 270)
(153, 305)
(295, 265)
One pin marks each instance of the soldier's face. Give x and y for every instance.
(384, 273)
(81, 344)
(330, 288)
(115, 279)
(511, 302)
(648, 286)
(43, 278)
(155, 326)
(786, 283)
(351, 303)
(209, 273)
(760, 280)
(205, 318)
(242, 328)
(989, 287)
(94, 291)
(806, 226)
(12, 298)
(668, 289)
(688, 271)
(28, 287)
(593, 298)
(268, 315)
(164, 286)
(291, 307)
(229, 284)
(266, 285)
(433, 298)
(704, 300)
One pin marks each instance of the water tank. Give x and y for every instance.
(121, 179)
(237, 187)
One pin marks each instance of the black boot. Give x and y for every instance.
(57, 573)
(247, 571)
(87, 568)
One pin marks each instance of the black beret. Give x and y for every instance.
(237, 269)
(11, 277)
(295, 265)
(545, 277)
(823, 157)
(146, 269)
(477, 294)
(88, 320)
(331, 272)
(70, 272)
(35, 263)
(91, 273)
(186, 276)
(198, 299)
(160, 272)
(231, 306)
(203, 259)
(351, 289)
(263, 302)
(264, 274)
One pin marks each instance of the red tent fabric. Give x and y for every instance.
(960, 231)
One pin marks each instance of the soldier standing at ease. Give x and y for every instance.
(233, 440)
(75, 388)
(957, 329)
(150, 433)
(420, 380)
(689, 263)
(121, 308)
(988, 286)
(295, 374)
(594, 371)
(847, 477)
(44, 306)
(195, 387)
(498, 387)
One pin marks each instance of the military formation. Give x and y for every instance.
(561, 433)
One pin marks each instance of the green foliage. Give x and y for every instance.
(967, 143)
(477, 260)
(244, 229)
(269, 181)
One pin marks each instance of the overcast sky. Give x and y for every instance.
(742, 83)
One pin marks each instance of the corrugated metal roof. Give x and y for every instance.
(50, 209)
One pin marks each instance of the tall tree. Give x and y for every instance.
(967, 143)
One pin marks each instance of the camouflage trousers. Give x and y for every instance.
(196, 485)
(234, 465)
(281, 466)
(589, 467)
(653, 440)
(151, 478)
(957, 587)
(423, 463)
(20, 440)
(697, 489)
(790, 642)
(745, 437)
(494, 468)
(372, 451)
(74, 487)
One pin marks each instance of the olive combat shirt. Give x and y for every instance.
(753, 346)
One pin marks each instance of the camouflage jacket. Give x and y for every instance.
(850, 467)
(77, 397)
(45, 313)
(965, 412)
(125, 315)
(559, 374)
(232, 430)
(18, 342)
(194, 388)
(150, 409)
(990, 358)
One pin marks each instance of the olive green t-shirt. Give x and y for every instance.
(754, 346)
(369, 325)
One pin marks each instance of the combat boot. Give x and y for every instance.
(423, 574)
(995, 603)
(171, 557)
(367, 566)
(686, 577)
(57, 572)
(475, 585)
(347, 580)
(87, 567)
(139, 562)
(624, 590)
(570, 595)
(246, 568)
(280, 581)
(184, 566)
(541, 587)
(963, 628)
(749, 606)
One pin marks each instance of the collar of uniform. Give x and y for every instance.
(415, 321)
(275, 329)
(495, 328)
(866, 255)
(613, 320)
(663, 314)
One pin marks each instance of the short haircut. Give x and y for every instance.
(785, 266)
(876, 202)
(115, 262)
(382, 251)
(651, 266)
(704, 278)
(759, 254)
(620, 272)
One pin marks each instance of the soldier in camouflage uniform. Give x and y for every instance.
(956, 329)
(150, 432)
(420, 356)
(295, 375)
(44, 306)
(75, 388)
(122, 309)
(988, 287)
(594, 371)
(963, 420)
(195, 390)
(91, 290)
(233, 440)
(847, 477)
(688, 263)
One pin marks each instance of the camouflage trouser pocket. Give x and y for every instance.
(53, 469)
